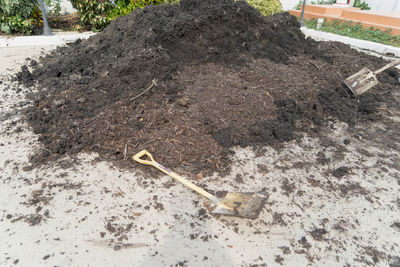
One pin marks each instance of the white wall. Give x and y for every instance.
(66, 7)
(387, 5)
(384, 4)
(289, 4)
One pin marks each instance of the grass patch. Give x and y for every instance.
(346, 28)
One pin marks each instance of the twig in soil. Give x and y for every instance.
(125, 151)
(385, 109)
(153, 83)
(258, 86)
(226, 125)
(313, 64)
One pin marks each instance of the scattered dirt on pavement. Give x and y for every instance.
(188, 82)
(340, 172)
(318, 234)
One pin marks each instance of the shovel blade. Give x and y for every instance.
(246, 205)
(361, 82)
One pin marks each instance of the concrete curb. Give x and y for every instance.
(57, 39)
(357, 43)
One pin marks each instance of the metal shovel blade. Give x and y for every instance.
(362, 81)
(246, 205)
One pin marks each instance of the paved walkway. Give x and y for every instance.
(329, 205)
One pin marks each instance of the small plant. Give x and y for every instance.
(298, 6)
(54, 6)
(362, 5)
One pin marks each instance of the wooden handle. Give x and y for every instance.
(174, 175)
(142, 153)
(394, 63)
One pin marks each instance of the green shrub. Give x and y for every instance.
(362, 5)
(124, 7)
(93, 13)
(266, 7)
(15, 15)
(99, 13)
(54, 6)
(23, 15)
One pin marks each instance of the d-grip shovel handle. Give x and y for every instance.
(174, 175)
(142, 153)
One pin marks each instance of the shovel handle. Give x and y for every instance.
(394, 63)
(137, 157)
(174, 175)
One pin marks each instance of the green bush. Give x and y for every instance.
(54, 6)
(23, 15)
(124, 7)
(362, 5)
(98, 14)
(266, 7)
(15, 15)
(93, 13)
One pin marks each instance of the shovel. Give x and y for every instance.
(246, 205)
(365, 79)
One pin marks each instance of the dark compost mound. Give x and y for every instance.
(188, 82)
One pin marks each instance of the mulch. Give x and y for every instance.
(190, 82)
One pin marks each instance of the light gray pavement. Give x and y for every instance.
(58, 38)
(94, 214)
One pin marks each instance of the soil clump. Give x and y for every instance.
(188, 82)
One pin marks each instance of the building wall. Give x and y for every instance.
(289, 4)
(66, 7)
(384, 4)
(387, 5)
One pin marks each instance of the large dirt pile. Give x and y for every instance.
(187, 82)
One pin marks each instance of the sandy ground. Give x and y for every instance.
(333, 202)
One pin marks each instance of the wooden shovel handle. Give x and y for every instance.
(152, 162)
(394, 63)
